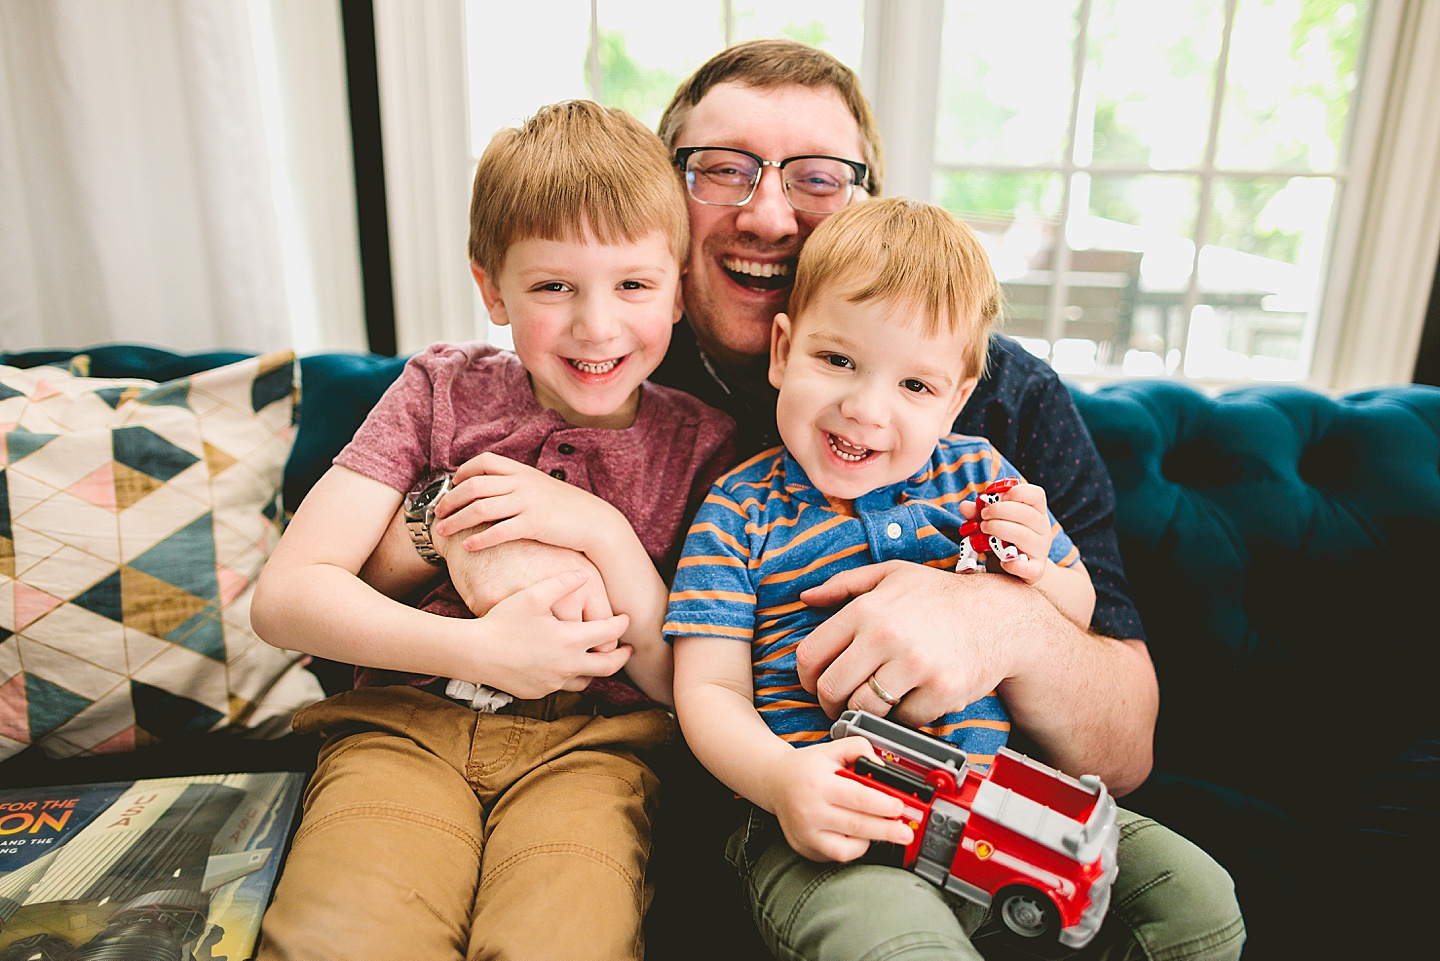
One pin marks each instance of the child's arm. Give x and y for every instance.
(824, 817)
(309, 598)
(518, 502)
(1022, 518)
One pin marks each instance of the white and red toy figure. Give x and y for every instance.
(1036, 843)
(974, 544)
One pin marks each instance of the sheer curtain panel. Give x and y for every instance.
(152, 186)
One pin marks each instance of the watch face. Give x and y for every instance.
(429, 491)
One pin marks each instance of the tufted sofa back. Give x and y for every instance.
(1282, 549)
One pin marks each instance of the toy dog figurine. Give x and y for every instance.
(974, 544)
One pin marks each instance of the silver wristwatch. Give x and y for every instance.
(420, 513)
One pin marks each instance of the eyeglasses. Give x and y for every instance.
(726, 177)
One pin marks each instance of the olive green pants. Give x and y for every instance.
(432, 832)
(1170, 902)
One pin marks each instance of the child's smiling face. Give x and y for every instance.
(865, 393)
(590, 321)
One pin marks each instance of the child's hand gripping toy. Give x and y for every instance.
(974, 544)
(1035, 842)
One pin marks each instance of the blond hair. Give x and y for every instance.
(575, 165)
(908, 252)
(765, 65)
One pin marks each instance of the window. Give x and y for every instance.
(1157, 183)
(1216, 190)
(624, 53)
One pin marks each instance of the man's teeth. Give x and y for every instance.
(756, 269)
(846, 450)
(595, 367)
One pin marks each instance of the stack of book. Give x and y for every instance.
(165, 868)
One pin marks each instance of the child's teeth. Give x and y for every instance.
(594, 368)
(847, 451)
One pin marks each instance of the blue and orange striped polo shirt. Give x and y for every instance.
(765, 534)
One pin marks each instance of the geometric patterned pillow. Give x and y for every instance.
(134, 518)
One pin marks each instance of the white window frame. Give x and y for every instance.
(1385, 241)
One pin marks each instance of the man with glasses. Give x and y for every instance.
(1084, 701)
(770, 137)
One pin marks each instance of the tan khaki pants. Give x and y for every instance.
(432, 832)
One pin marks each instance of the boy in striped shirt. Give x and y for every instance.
(886, 338)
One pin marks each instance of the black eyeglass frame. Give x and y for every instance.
(683, 154)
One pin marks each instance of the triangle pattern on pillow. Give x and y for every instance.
(161, 713)
(21, 443)
(50, 705)
(166, 590)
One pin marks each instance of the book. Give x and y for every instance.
(158, 869)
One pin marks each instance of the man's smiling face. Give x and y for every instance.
(742, 259)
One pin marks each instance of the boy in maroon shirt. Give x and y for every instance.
(483, 760)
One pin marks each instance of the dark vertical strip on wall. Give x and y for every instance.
(358, 23)
(1427, 362)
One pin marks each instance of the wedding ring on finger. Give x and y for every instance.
(881, 693)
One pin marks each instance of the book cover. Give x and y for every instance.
(161, 869)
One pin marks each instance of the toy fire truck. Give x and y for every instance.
(1036, 843)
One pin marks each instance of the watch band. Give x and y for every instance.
(420, 514)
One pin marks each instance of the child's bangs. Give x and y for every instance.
(904, 252)
(573, 171)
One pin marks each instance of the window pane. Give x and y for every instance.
(1130, 265)
(1289, 83)
(837, 27)
(505, 87)
(1016, 216)
(1152, 66)
(1006, 75)
(1260, 277)
(980, 198)
(648, 46)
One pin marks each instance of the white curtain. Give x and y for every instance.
(145, 194)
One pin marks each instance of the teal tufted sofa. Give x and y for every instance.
(1282, 549)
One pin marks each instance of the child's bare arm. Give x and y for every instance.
(513, 502)
(309, 598)
(1021, 517)
(1070, 590)
(824, 817)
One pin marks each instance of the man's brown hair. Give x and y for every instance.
(575, 165)
(765, 65)
(907, 252)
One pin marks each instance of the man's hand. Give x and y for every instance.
(487, 567)
(534, 653)
(939, 641)
(927, 635)
(826, 817)
(528, 519)
(486, 578)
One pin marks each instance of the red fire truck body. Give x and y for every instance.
(1035, 842)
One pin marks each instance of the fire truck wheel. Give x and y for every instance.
(1027, 913)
